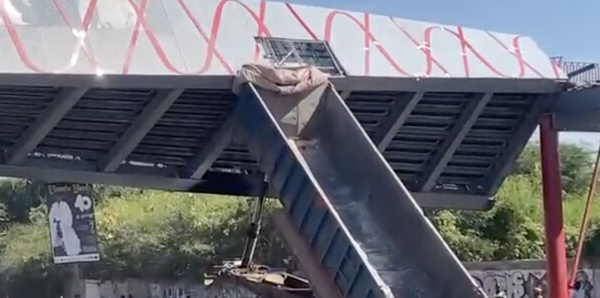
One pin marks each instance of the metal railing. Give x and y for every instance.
(579, 72)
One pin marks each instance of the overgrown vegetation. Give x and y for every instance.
(513, 228)
(145, 234)
(154, 234)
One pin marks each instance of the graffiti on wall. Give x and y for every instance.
(525, 283)
(170, 291)
(141, 288)
(230, 290)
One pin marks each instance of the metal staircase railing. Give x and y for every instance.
(579, 72)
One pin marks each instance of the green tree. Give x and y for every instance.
(19, 197)
(178, 235)
(510, 230)
(151, 234)
(466, 241)
(3, 214)
(576, 166)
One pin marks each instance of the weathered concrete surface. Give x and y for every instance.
(221, 289)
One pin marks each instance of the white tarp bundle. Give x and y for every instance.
(281, 81)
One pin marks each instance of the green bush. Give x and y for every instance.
(155, 234)
(513, 229)
(147, 234)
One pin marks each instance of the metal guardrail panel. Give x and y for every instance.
(579, 72)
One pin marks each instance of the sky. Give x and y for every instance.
(561, 28)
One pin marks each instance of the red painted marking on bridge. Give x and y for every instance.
(261, 31)
(81, 44)
(207, 39)
(16, 40)
(134, 38)
(430, 60)
(516, 52)
(465, 45)
(301, 21)
(211, 40)
(556, 68)
(259, 18)
(85, 27)
(463, 50)
(368, 38)
(367, 28)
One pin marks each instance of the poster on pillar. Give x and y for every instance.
(72, 223)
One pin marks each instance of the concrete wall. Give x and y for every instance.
(516, 278)
(134, 288)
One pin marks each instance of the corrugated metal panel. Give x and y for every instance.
(95, 123)
(101, 117)
(492, 133)
(371, 108)
(19, 107)
(185, 127)
(236, 156)
(428, 125)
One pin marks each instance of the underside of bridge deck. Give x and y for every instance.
(451, 141)
(139, 93)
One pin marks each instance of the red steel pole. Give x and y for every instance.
(556, 254)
